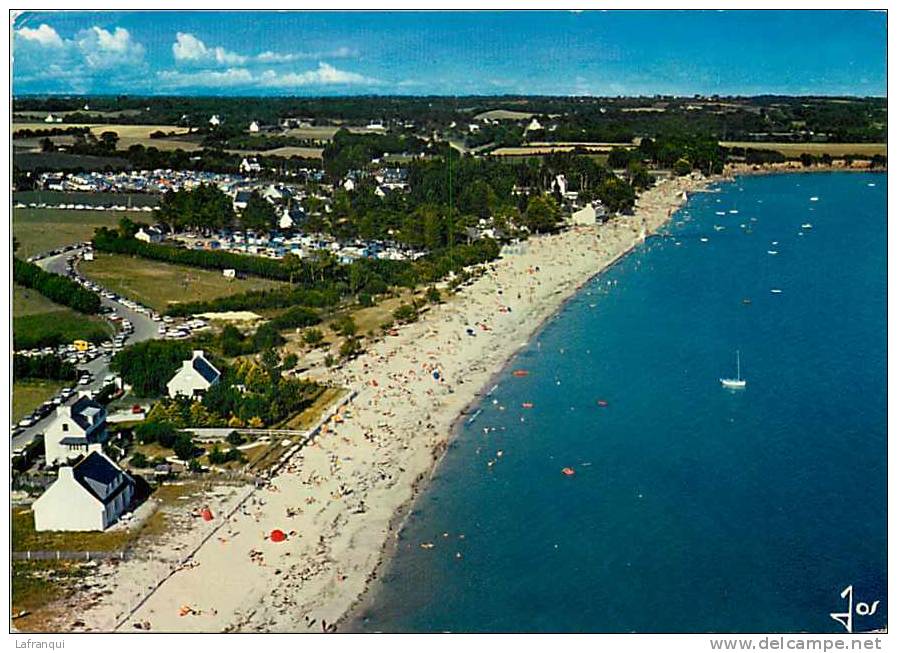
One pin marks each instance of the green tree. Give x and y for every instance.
(312, 337)
(139, 460)
(259, 214)
(405, 313)
(542, 214)
(183, 447)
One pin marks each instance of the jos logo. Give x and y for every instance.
(862, 609)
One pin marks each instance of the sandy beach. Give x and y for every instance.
(338, 498)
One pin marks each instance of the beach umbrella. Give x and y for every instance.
(206, 514)
(278, 535)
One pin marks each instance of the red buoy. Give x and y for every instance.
(278, 535)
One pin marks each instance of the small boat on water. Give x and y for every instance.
(806, 225)
(704, 240)
(814, 199)
(737, 383)
(776, 291)
(718, 227)
(772, 252)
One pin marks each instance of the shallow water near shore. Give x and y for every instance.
(691, 508)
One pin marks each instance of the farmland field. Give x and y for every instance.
(816, 149)
(157, 284)
(128, 135)
(503, 114)
(40, 230)
(320, 133)
(305, 152)
(551, 148)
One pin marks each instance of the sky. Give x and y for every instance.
(315, 53)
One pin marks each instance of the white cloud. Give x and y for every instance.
(213, 78)
(324, 75)
(104, 49)
(189, 48)
(43, 35)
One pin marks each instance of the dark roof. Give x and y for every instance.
(78, 409)
(100, 477)
(242, 196)
(73, 439)
(205, 369)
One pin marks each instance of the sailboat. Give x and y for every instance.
(736, 383)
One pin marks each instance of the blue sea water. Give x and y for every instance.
(693, 508)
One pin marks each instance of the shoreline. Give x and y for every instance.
(352, 488)
(354, 614)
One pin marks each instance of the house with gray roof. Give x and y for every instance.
(196, 376)
(73, 428)
(89, 496)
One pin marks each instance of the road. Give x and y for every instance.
(144, 329)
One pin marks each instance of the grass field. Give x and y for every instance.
(36, 318)
(320, 133)
(40, 230)
(28, 395)
(307, 418)
(157, 284)
(816, 149)
(86, 198)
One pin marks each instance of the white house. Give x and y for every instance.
(214, 121)
(286, 220)
(560, 182)
(254, 127)
(73, 428)
(349, 185)
(229, 273)
(250, 165)
(534, 126)
(195, 376)
(49, 118)
(590, 214)
(149, 235)
(90, 496)
(376, 125)
(241, 200)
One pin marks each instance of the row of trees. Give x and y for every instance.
(106, 240)
(49, 366)
(55, 287)
(259, 299)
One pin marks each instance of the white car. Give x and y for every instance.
(25, 423)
